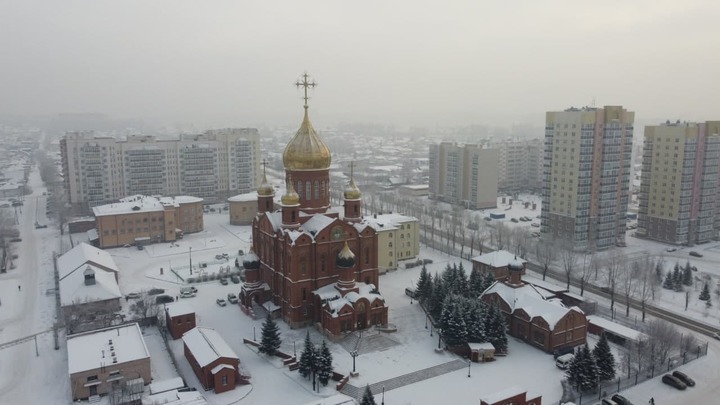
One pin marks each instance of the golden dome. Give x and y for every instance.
(265, 189)
(291, 196)
(352, 192)
(306, 151)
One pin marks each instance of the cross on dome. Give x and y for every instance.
(305, 84)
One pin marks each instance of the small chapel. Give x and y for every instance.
(311, 263)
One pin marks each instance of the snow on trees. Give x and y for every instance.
(307, 358)
(270, 341)
(604, 359)
(367, 398)
(324, 364)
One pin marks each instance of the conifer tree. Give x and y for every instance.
(324, 364)
(474, 320)
(307, 358)
(590, 370)
(455, 332)
(437, 297)
(677, 278)
(668, 283)
(461, 281)
(705, 293)
(604, 359)
(488, 280)
(424, 286)
(495, 329)
(367, 398)
(270, 342)
(475, 284)
(687, 274)
(448, 308)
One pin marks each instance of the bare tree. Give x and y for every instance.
(646, 278)
(662, 336)
(569, 258)
(628, 283)
(588, 262)
(613, 267)
(546, 253)
(520, 241)
(499, 236)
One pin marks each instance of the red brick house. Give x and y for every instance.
(530, 316)
(513, 395)
(313, 263)
(179, 318)
(496, 263)
(215, 364)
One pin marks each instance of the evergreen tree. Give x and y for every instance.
(448, 308)
(677, 278)
(308, 358)
(475, 284)
(367, 398)
(488, 280)
(495, 328)
(449, 278)
(659, 271)
(324, 364)
(461, 281)
(687, 274)
(424, 286)
(437, 297)
(455, 332)
(474, 320)
(668, 283)
(270, 342)
(590, 370)
(705, 293)
(574, 370)
(604, 359)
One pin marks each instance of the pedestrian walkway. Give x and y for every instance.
(406, 379)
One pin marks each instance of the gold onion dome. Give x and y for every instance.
(306, 151)
(346, 258)
(352, 192)
(265, 189)
(291, 196)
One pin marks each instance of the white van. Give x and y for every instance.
(187, 292)
(563, 362)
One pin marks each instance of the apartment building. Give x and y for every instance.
(587, 175)
(464, 175)
(213, 165)
(398, 239)
(679, 182)
(520, 164)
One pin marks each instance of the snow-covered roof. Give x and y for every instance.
(336, 301)
(92, 350)
(220, 367)
(615, 328)
(317, 223)
(530, 300)
(157, 387)
(504, 394)
(141, 203)
(178, 309)
(247, 197)
(498, 258)
(481, 346)
(81, 254)
(74, 291)
(206, 345)
(544, 284)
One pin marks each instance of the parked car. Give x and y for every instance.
(695, 254)
(607, 401)
(232, 298)
(235, 279)
(684, 378)
(535, 225)
(16, 240)
(219, 257)
(164, 299)
(132, 296)
(39, 226)
(621, 400)
(155, 291)
(126, 245)
(221, 302)
(563, 362)
(716, 335)
(187, 293)
(515, 220)
(141, 247)
(671, 250)
(224, 281)
(672, 381)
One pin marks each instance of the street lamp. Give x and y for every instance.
(439, 338)
(190, 253)
(426, 318)
(383, 397)
(469, 363)
(354, 354)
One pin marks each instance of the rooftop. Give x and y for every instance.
(74, 291)
(498, 258)
(104, 347)
(141, 203)
(207, 345)
(179, 308)
(81, 254)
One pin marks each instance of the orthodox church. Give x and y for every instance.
(313, 264)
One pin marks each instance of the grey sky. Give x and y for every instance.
(408, 62)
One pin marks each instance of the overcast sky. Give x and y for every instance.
(408, 62)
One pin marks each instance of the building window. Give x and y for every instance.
(367, 255)
(224, 380)
(323, 259)
(92, 378)
(299, 187)
(308, 190)
(317, 189)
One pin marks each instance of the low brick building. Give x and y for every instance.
(179, 318)
(215, 364)
(496, 263)
(104, 360)
(513, 395)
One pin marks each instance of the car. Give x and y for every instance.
(232, 298)
(224, 281)
(5, 205)
(535, 234)
(621, 400)
(684, 378)
(126, 245)
(225, 255)
(164, 299)
(695, 254)
(535, 225)
(187, 293)
(488, 219)
(132, 296)
(141, 247)
(673, 381)
(607, 401)
(16, 240)
(156, 291)
(38, 226)
(670, 250)
(219, 257)
(515, 220)
(716, 335)
(563, 362)
(235, 279)
(241, 252)
(212, 209)
(221, 302)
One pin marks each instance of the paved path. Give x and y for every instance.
(406, 379)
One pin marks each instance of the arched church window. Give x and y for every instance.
(367, 255)
(308, 190)
(322, 189)
(323, 259)
(317, 189)
(299, 187)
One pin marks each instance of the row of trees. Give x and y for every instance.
(655, 348)
(453, 302)
(588, 368)
(316, 361)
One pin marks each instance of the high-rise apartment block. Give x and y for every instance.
(587, 176)
(679, 182)
(212, 165)
(464, 175)
(520, 164)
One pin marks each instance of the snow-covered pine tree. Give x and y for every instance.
(687, 274)
(574, 370)
(488, 280)
(475, 284)
(455, 332)
(461, 281)
(677, 278)
(424, 286)
(705, 293)
(449, 278)
(307, 358)
(437, 297)
(604, 359)
(668, 283)
(448, 308)
(270, 341)
(475, 322)
(495, 329)
(324, 364)
(589, 376)
(367, 398)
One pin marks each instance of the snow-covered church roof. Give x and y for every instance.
(336, 301)
(81, 254)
